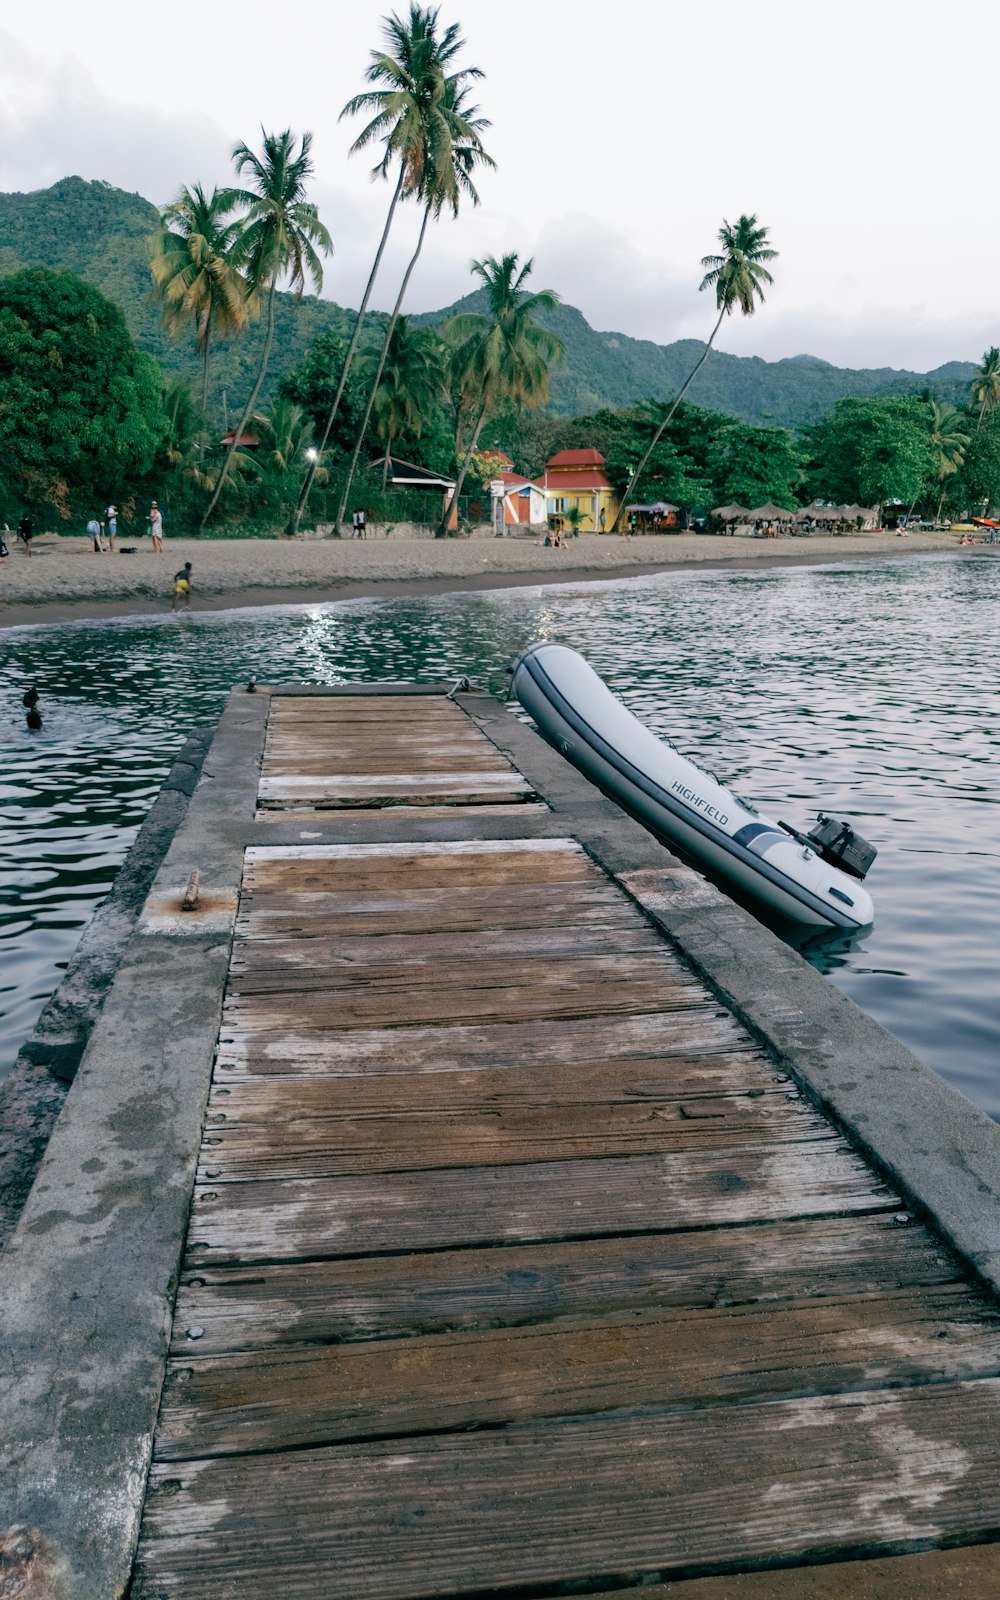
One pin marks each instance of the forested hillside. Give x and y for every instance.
(100, 233)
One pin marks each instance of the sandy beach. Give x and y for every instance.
(64, 580)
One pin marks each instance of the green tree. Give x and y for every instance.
(313, 384)
(871, 451)
(280, 237)
(949, 441)
(191, 261)
(410, 388)
(977, 482)
(82, 417)
(738, 277)
(502, 358)
(408, 80)
(985, 387)
(754, 465)
(453, 149)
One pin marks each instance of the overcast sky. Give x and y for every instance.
(861, 132)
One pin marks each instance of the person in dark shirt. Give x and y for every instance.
(26, 531)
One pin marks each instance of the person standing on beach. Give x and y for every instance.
(182, 588)
(94, 535)
(155, 521)
(111, 524)
(25, 531)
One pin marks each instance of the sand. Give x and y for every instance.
(63, 579)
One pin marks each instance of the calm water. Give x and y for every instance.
(869, 688)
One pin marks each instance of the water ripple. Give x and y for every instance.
(868, 689)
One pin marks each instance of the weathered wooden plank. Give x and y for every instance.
(327, 954)
(390, 813)
(278, 915)
(297, 1145)
(636, 958)
(404, 854)
(374, 768)
(969, 1573)
(568, 1040)
(281, 1399)
(416, 869)
(412, 1005)
(657, 1085)
(423, 708)
(392, 789)
(571, 1503)
(240, 1308)
(315, 1217)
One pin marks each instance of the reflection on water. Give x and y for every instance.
(868, 690)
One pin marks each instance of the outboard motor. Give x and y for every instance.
(837, 843)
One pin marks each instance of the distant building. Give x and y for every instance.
(517, 501)
(576, 478)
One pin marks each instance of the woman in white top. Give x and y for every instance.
(155, 520)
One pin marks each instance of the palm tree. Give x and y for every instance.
(194, 273)
(280, 234)
(950, 442)
(502, 357)
(452, 151)
(411, 385)
(737, 276)
(407, 79)
(986, 383)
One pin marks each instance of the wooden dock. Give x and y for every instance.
(514, 1262)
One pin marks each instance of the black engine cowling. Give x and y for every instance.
(837, 843)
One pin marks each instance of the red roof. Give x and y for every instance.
(575, 458)
(578, 480)
(515, 480)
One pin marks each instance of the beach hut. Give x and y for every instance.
(770, 513)
(658, 517)
(731, 513)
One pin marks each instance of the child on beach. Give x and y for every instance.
(182, 588)
(155, 520)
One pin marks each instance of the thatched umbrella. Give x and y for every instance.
(770, 513)
(824, 513)
(731, 513)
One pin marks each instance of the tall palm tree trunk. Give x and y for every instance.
(248, 409)
(452, 501)
(385, 463)
(659, 432)
(303, 500)
(204, 370)
(342, 510)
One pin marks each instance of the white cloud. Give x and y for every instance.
(622, 140)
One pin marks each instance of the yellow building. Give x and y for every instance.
(576, 478)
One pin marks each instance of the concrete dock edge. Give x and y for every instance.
(89, 1274)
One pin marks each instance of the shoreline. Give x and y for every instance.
(329, 589)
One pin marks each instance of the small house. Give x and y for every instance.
(575, 478)
(517, 502)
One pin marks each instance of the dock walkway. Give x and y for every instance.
(517, 1262)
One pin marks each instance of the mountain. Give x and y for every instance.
(100, 233)
(611, 369)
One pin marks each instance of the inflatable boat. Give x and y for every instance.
(809, 878)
